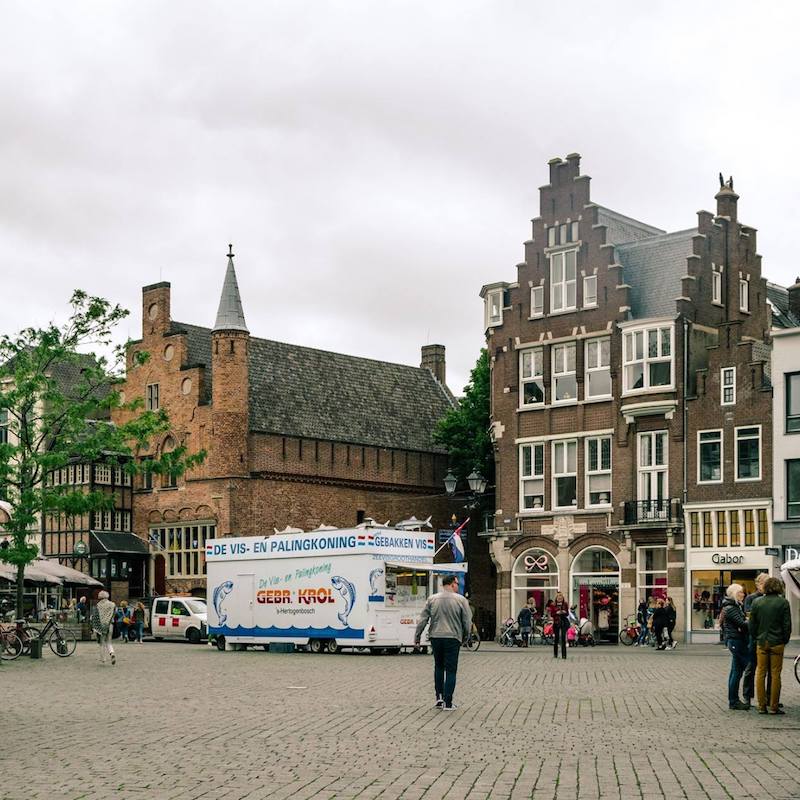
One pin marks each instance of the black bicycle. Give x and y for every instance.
(61, 641)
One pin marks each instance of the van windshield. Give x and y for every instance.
(196, 606)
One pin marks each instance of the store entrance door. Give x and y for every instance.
(595, 592)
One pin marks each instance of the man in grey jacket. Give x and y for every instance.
(450, 621)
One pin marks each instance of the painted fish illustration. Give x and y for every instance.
(348, 592)
(220, 593)
(373, 580)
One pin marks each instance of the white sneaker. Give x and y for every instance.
(450, 708)
(674, 645)
(440, 704)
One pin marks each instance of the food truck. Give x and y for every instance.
(322, 590)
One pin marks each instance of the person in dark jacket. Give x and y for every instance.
(560, 615)
(525, 621)
(736, 636)
(672, 619)
(660, 623)
(748, 682)
(770, 626)
(641, 618)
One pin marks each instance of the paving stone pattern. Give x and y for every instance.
(177, 722)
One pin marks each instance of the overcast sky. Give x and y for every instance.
(375, 163)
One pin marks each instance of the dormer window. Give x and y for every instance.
(494, 307)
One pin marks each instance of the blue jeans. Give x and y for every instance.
(740, 654)
(445, 666)
(138, 631)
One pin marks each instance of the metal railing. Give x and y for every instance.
(665, 510)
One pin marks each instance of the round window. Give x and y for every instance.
(186, 385)
(169, 352)
(152, 311)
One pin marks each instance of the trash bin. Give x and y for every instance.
(36, 648)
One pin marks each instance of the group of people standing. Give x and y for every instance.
(657, 617)
(756, 628)
(558, 611)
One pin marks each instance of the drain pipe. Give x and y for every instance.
(685, 410)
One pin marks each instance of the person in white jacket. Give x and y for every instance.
(102, 618)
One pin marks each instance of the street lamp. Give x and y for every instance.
(476, 481)
(450, 483)
(477, 485)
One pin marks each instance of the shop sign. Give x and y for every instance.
(538, 563)
(726, 558)
(444, 534)
(791, 553)
(772, 551)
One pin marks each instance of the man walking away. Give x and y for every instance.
(770, 626)
(102, 625)
(450, 624)
(748, 681)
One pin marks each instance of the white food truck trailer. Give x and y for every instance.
(322, 590)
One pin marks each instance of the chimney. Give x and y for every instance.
(554, 164)
(434, 360)
(726, 199)
(794, 298)
(156, 309)
(574, 161)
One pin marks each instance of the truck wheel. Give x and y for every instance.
(220, 643)
(158, 638)
(193, 635)
(315, 645)
(331, 647)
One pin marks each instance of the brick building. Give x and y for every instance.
(607, 353)
(294, 436)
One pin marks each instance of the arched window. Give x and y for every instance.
(534, 574)
(594, 589)
(169, 480)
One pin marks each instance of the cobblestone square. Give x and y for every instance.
(177, 722)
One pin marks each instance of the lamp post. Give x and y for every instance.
(477, 486)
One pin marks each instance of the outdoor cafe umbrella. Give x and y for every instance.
(32, 574)
(66, 574)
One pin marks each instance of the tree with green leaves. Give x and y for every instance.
(55, 405)
(464, 431)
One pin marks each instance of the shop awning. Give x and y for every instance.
(67, 574)
(118, 544)
(444, 569)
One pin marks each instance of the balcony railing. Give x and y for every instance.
(664, 510)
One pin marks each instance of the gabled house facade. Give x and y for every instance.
(596, 349)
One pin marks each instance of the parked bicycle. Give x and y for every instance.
(630, 633)
(473, 641)
(10, 644)
(61, 641)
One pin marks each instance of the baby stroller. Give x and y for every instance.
(581, 631)
(509, 634)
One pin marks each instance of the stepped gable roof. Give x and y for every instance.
(621, 229)
(778, 299)
(653, 268)
(303, 392)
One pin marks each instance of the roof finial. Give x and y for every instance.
(230, 251)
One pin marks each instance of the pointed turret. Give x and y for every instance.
(230, 316)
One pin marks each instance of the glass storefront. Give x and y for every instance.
(535, 574)
(708, 592)
(595, 591)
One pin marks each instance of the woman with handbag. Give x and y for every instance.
(560, 613)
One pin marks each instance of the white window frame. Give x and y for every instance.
(153, 400)
(557, 374)
(566, 444)
(716, 286)
(744, 295)
(173, 547)
(721, 442)
(589, 279)
(494, 296)
(649, 471)
(597, 368)
(532, 476)
(723, 386)
(537, 300)
(560, 259)
(736, 440)
(534, 377)
(102, 474)
(646, 360)
(599, 471)
(642, 583)
(552, 235)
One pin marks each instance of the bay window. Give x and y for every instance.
(562, 280)
(598, 471)
(647, 358)
(494, 307)
(565, 386)
(531, 468)
(531, 373)
(565, 474)
(598, 368)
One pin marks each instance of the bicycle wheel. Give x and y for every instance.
(797, 668)
(626, 638)
(26, 634)
(474, 642)
(62, 643)
(10, 647)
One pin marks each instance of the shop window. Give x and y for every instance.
(728, 386)
(531, 377)
(710, 460)
(595, 591)
(792, 403)
(694, 528)
(793, 489)
(708, 531)
(565, 386)
(565, 474)
(749, 528)
(534, 574)
(763, 528)
(532, 477)
(537, 301)
(736, 536)
(707, 596)
(651, 566)
(590, 291)
(598, 471)
(647, 359)
(563, 280)
(748, 454)
(598, 368)
(722, 529)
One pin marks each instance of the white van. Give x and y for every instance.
(179, 618)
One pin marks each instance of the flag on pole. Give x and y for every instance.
(457, 546)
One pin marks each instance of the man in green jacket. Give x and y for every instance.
(770, 628)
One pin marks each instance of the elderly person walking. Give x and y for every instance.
(770, 626)
(102, 619)
(737, 641)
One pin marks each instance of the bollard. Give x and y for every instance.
(36, 647)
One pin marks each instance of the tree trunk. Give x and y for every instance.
(20, 589)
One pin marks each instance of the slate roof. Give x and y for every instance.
(653, 268)
(778, 299)
(316, 394)
(230, 315)
(620, 229)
